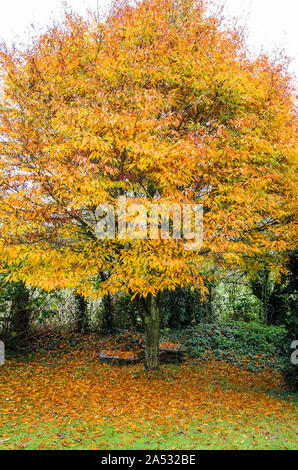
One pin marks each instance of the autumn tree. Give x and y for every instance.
(162, 99)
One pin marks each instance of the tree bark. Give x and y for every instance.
(152, 314)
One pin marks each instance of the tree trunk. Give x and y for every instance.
(152, 314)
(81, 320)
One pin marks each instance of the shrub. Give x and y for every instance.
(251, 345)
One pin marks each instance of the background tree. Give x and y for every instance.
(277, 297)
(21, 306)
(81, 311)
(15, 310)
(161, 98)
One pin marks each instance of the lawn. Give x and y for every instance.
(61, 397)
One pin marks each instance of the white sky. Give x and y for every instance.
(270, 23)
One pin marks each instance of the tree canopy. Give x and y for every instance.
(160, 98)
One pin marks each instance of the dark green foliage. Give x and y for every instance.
(290, 374)
(20, 305)
(123, 312)
(251, 345)
(182, 308)
(81, 311)
(107, 315)
(15, 311)
(20, 311)
(278, 299)
(6, 294)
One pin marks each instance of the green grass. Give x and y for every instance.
(265, 433)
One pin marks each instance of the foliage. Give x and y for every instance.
(249, 345)
(278, 298)
(81, 313)
(20, 306)
(232, 298)
(162, 98)
(126, 313)
(181, 308)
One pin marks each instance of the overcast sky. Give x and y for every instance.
(270, 23)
